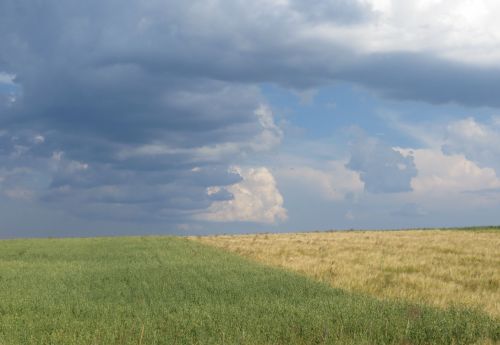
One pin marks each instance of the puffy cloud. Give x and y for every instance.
(255, 199)
(382, 168)
(443, 175)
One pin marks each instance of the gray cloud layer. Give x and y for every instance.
(150, 102)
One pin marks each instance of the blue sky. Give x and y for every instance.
(173, 117)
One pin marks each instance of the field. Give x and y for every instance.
(166, 290)
(441, 268)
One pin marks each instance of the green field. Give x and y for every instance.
(166, 290)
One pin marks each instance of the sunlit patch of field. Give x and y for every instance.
(437, 267)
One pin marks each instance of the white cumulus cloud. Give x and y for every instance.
(255, 199)
(440, 174)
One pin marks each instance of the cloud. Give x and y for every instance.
(457, 164)
(424, 77)
(107, 158)
(479, 142)
(411, 50)
(442, 175)
(382, 168)
(475, 138)
(21, 194)
(140, 94)
(332, 181)
(271, 134)
(456, 29)
(255, 199)
(6, 78)
(342, 12)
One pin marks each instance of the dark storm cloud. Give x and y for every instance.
(381, 168)
(420, 77)
(145, 48)
(124, 111)
(337, 11)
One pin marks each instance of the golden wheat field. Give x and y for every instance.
(438, 267)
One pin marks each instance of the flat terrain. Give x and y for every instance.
(165, 290)
(441, 268)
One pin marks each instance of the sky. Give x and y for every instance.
(129, 117)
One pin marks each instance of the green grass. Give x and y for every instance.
(164, 290)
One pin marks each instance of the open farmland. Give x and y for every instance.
(165, 290)
(442, 268)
